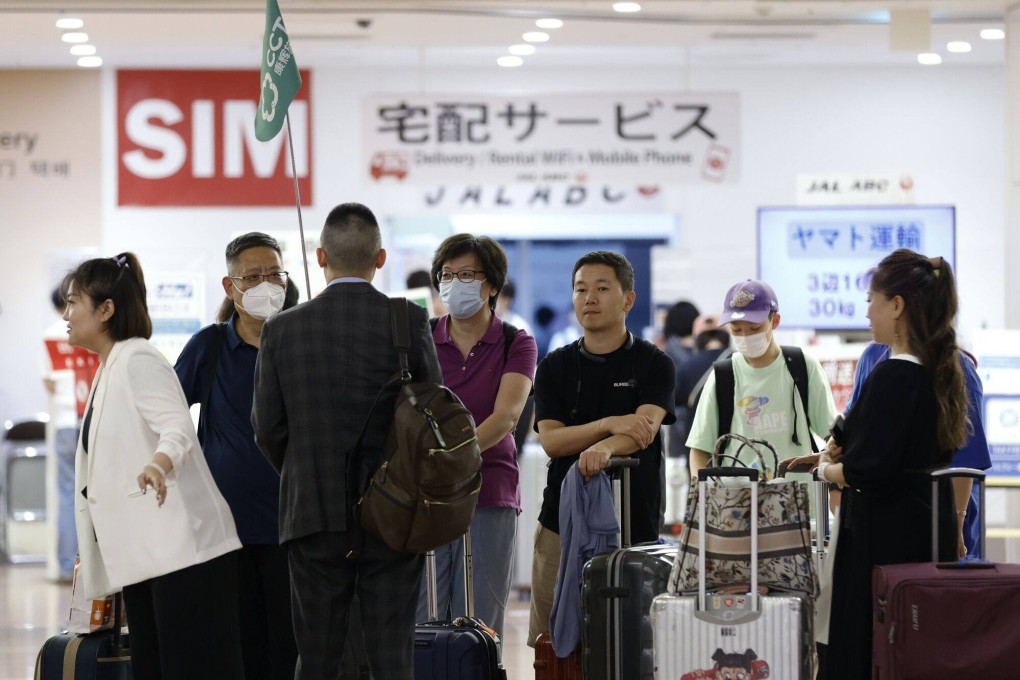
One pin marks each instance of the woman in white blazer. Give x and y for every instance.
(150, 519)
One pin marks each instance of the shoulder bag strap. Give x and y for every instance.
(212, 359)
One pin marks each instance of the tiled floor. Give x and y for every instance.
(32, 609)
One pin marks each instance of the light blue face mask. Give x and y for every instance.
(461, 299)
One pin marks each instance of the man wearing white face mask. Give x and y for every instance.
(217, 370)
(767, 400)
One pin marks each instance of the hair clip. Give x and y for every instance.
(935, 262)
(121, 261)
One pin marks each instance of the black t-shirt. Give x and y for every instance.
(628, 378)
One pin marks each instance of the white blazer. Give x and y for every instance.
(123, 537)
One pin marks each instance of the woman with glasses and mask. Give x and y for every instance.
(490, 366)
(150, 519)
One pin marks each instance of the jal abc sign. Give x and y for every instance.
(187, 138)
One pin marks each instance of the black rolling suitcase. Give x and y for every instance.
(462, 649)
(616, 596)
(103, 655)
(617, 592)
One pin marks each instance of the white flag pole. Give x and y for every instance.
(297, 201)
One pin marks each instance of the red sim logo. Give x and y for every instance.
(187, 138)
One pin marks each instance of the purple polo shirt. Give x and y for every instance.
(475, 381)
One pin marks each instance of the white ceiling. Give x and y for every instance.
(457, 33)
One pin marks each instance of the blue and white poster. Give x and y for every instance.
(817, 259)
(998, 355)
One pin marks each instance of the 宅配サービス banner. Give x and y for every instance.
(655, 138)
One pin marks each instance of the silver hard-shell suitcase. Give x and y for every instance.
(751, 635)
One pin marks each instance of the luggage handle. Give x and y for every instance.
(951, 473)
(432, 597)
(618, 469)
(752, 475)
(119, 649)
(821, 519)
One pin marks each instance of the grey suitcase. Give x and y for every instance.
(752, 636)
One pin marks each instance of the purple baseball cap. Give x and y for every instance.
(749, 300)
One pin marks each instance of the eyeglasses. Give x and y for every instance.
(464, 276)
(279, 278)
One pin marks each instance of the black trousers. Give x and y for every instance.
(263, 601)
(323, 584)
(183, 625)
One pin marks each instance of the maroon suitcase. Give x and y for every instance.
(946, 620)
(548, 666)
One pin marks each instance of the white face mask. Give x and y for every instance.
(752, 346)
(263, 301)
(461, 299)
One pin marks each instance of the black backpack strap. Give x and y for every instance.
(401, 333)
(433, 322)
(401, 324)
(699, 387)
(725, 386)
(509, 333)
(212, 359)
(797, 365)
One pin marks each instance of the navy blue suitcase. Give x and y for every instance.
(445, 650)
(462, 649)
(103, 655)
(82, 657)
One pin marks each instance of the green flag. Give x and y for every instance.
(279, 80)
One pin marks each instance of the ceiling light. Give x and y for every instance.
(67, 23)
(509, 62)
(535, 36)
(75, 37)
(993, 34)
(958, 46)
(521, 50)
(929, 59)
(549, 23)
(83, 50)
(90, 62)
(626, 7)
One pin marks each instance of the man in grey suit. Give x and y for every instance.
(319, 368)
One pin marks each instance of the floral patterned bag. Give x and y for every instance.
(784, 534)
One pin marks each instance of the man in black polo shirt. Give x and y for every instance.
(217, 369)
(604, 395)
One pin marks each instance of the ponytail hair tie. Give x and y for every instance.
(121, 261)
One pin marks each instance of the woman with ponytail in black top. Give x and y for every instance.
(910, 418)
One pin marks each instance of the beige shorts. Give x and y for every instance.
(544, 565)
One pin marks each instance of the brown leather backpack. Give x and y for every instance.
(425, 492)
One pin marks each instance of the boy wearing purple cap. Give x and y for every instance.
(766, 400)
